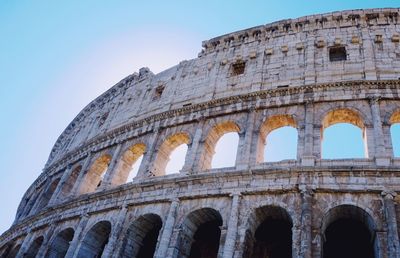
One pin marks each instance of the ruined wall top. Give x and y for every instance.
(327, 48)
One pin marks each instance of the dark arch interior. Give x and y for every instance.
(269, 234)
(206, 240)
(273, 239)
(60, 244)
(348, 238)
(95, 240)
(34, 248)
(141, 238)
(200, 234)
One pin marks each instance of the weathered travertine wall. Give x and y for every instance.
(250, 82)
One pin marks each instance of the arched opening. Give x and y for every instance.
(345, 137)
(165, 151)
(60, 244)
(200, 234)
(269, 234)
(348, 231)
(128, 165)
(141, 237)
(95, 240)
(95, 174)
(228, 146)
(395, 133)
(10, 250)
(28, 209)
(176, 160)
(46, 196)
(34, 248)
(225, 151)
(69, 183)
(277, 139)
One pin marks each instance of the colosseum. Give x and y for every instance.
(308, 73)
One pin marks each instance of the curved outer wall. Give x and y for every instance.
(288, 79)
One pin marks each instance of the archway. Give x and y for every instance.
(34, 248)
(348, 231)
(343, 135)
(269, 234)
(277, 139)
(69, 183)
(95, 174)
(141, 237)
(125, 170)
(165, 151)
(200, 234)
(213, 137)
(46, 196)
(10, 250)
(59, 246)
(95, 240)
(225, 151)
(395, 133)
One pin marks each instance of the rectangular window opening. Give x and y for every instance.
(238, 68)
(337, 54)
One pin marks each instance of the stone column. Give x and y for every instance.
(166, 234)
(387, 136)
(306, 217)
(306, 151)
(309, 73)
(60, 186)
(82, 174)
(73, 246)
(381, 157)
(369, 59)
(393, 245)
(115, 233)
(109, 174)
(194, 149)
(244, 148)
(230, 241)
(146, 165)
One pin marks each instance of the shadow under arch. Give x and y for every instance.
(269, 233)
(165, 150)
(95, 240)
(60, 244)
(200, 234)
(348, 231)
(272, 123)
(212, 137)
(141, 237)
(346, 116)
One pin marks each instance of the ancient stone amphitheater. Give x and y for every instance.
(308, 73)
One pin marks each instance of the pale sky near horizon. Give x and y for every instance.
(57, 56)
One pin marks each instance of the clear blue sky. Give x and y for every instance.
(57, 56)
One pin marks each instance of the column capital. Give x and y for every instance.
(388, 194)
(374, 99)
(304, 190)
(233, 194)
(174, 199)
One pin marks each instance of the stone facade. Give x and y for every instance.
(308, 73)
